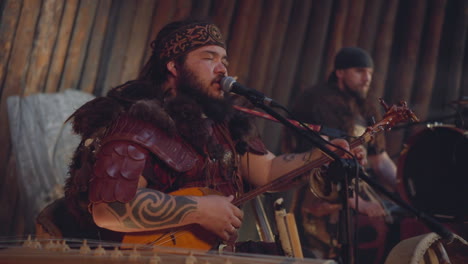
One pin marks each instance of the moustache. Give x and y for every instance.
(218, 79)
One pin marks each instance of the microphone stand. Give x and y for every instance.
(341, 169)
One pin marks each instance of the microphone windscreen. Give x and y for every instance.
(226, 83)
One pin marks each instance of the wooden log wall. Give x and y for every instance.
(279, 47)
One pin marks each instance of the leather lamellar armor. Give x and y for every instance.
(107, 165)
(133, 147)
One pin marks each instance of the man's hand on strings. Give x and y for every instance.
(359, 152)
(219, 216)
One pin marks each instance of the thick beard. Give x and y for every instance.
(366, 107)
(359, 97)
(218, 109)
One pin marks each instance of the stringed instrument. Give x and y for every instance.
(428, 248)
(194, 236)
(38, 250)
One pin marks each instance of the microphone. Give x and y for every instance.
(229, 84)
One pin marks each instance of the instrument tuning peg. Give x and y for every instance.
(155, 259)
(134, 254)
(116, 253)
(384, 104)
(190, 259)
(85, 249)
(99, 251)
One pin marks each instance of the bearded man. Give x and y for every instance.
(343, 106)
(172, 128)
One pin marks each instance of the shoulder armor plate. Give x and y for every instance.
(170, 149)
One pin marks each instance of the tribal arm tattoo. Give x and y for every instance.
(289, 157)
(306, 157)
(151, 210)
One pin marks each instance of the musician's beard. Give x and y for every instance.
(363, 104)
(360, 97)
(218, 109)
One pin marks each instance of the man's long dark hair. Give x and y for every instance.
(154, 70)
(148, 84)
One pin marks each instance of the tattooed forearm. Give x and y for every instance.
(153, 209)
(289, 157)
(307, 157)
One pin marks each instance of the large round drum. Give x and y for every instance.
(433, 172)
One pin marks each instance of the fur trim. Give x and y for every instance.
(151, 111)
(141, 100)
(97, 113)
(187, 114)
(242, 130)
(241, 125)
(135, 97)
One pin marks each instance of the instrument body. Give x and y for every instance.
(192, 236)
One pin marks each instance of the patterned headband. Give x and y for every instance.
(188, 38)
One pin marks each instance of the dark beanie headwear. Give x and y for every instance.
(353, 57)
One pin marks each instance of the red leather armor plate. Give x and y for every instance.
(125, 150)
(116, 172)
